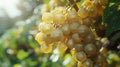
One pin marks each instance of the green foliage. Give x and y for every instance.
(22, 54)
(111, 16)
(46, 1)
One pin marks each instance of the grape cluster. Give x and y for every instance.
(72, 30)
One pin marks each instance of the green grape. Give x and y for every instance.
(76, 37)
(83, 30)
(87, 22)
(59, 18)
(92, 11)
(86, 3)
(48, 40)
(88, 63)
(70, 44)
(47, 17)
(46, 48)
(74, 27)
(103, 2)
(79, 64)
(91, 50)
(97, 65)
(73, 31)
(62, 46)
(72, 16)
(65, 29)
(98, 44)
(56, 35)
(59, 9)
(81, 56)
(45, 28)
(79, 47)
(90, 38)
(82, 12)
(41, 37)
(100, 60)
(96, 2)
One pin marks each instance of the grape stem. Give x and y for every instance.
(74, 5)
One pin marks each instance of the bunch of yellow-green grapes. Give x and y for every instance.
(68, 29)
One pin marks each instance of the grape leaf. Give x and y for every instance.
(111, 16)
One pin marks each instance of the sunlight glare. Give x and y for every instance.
(10, 7)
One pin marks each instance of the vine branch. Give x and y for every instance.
(74, 5)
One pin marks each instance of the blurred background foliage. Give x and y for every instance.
(18, 26)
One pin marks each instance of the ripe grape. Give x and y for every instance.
(62, 46)
(56, 35)
(98, 44)
(65, 29)
(47, 17)
(59, 18)
(81, 56)
(46, 48)
(45, 28)
(74, 27)
(83, 30)
(88, 63)
(70, 44)
(90, 38)
(87, 22)
(73, 30)
(40, 37)
(79, 64)
(91, 50)
(76, 37)
(83, 13)
(79, 47)
(72, 16)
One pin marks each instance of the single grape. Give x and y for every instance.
(59, 9)
(81, 56)
(79, 47)
(47, 17)
(83, 30)
(40, 37)
(46, 48)
(98, 44)
(100, 59)
(74, 27)
(59, 18)
(82, 12)
(76, 37)
(62, 46)
(87, 22)
(86, 3)
(48, 40)
(80, 64)
(95, 2)
(88, 63)
(97, 65)
(65, 29)
(45, 28)
(103, 2)
(72, 16)
(56, 35)
(92, 11)
(70, 44)
(90, 38)
(91, 50)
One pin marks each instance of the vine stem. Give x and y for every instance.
(74, 5)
